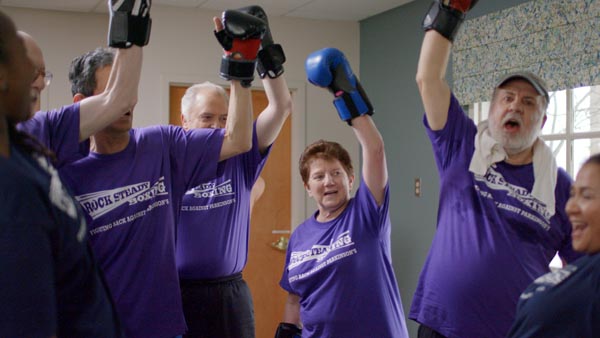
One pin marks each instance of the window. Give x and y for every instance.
(572, 128)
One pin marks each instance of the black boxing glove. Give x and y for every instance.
(241, 37)
(288, 330)
(446, 16)
(129, 23)
(270, 56)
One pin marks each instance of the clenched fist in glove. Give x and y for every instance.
(270, 55)
(240, 38)
(130, 23)
(446, 16)
(329, 68)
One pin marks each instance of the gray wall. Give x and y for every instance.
(390, 45)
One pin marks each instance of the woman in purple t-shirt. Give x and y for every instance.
(338, 268)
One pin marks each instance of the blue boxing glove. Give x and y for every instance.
(130, 23)
(329, 68)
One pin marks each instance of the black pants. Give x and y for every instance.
(427, 332)
(220, 308)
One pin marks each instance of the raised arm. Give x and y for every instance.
(374, 166)
(440, 24)
(270, 69)
(329, 68)
(240, 35)
(129, 30)
(238, 129)
(271, 120)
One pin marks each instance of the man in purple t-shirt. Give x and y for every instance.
(501, 212)
(130, 186)
(214, 221)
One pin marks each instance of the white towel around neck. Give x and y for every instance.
(488, 151)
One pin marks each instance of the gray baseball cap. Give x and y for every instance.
(534, 80)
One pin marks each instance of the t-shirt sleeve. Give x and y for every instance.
(58, 130)
(373, 217)
(458, 133)
(28, 306)
(195, 153)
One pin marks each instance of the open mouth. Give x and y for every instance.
(512, 124)
(578, 229)
(327, 193)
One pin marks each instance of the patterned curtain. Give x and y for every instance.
(557, 39)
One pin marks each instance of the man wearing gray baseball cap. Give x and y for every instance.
(501, 216)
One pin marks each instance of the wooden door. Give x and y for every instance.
(271, 212)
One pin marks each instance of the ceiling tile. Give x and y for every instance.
(353, 10)
(62, 5)
(179, 3)
(272, 7)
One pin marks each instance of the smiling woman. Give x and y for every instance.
(566, 303)
(347, 238)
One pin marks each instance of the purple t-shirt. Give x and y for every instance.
(492, 239)
(130, 199)
(212, 233)
(342, 271)
(59, 131)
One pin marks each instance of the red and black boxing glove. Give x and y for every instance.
(446, 16)
(241, 37)
(270, 56)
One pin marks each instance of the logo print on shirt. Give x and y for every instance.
(320, 252)
(210, 189)
(495, 181)
(99, 203)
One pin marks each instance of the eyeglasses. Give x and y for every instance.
(46, 74)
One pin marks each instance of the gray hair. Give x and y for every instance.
(82, 72)
(191, 94)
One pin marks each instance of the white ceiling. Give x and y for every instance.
(351, 10)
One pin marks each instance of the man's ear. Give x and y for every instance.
(78, 97)
(184, 122)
